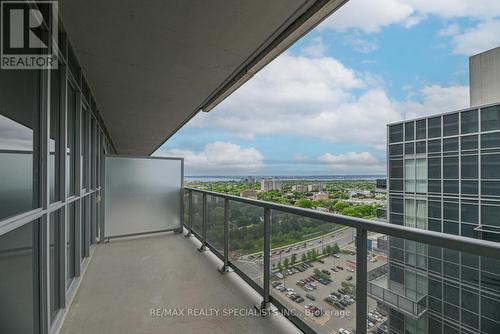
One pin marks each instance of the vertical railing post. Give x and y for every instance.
(204, 218)
(190, 218)
(225, 266)
(361, 280)
(267, 261)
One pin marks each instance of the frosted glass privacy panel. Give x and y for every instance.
(142, 195)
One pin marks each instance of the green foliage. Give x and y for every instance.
(286, 262)
(304, 203)
(293, 260)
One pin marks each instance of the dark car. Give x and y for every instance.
(311, 297)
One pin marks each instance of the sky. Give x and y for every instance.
(321, 108)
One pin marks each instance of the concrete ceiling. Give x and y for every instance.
(152, 65)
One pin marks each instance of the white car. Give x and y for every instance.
(343, 331)
(349, 269)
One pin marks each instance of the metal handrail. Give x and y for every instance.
(363, 226)
(464, 244)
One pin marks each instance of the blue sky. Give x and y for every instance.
(322, 106)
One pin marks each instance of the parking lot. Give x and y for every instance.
(338, 311)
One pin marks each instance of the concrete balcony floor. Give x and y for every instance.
(126, 278)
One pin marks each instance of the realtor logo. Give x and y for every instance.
(29, 35)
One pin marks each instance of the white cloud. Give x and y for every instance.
(483, 37)
(435, 99)
(450, 30)
(316, 49)
(370, 16)
(353, 163)
(219, 157)
(361, 44)
(310, 97)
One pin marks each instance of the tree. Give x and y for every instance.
(329, 249)
(280, 268)
(304, 257)
(335, 249)
(286, 262)
(294, 259)
(304, 203)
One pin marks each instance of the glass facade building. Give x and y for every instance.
(444, 176)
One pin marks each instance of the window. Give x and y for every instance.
(421, 129)
(421, 175)
(469, 121)
(395, 133)
(396, 168)
(434, 186)
(434, 168)
(17, 279)
(450, 125)
(450, 211)
(450, 167)
(434, 127)
(470, 167)
(434, 146)
(450, 186)
(396, 205)
(490, 140)
(409, 131)
(470, 187)
(434, 209)
(490, 166)
(409, 175)
(71, 143)
(54, 151)
(490, 214)
(395, 150)
(19, 109)
(410, 212)
(470, 213)
(450, 144)
(421, 147)
(469, 142)
(421, 214)
(54, 262)
(490, 118)
(70, 243)
(84, 149)
(490, 188)
(409, 148)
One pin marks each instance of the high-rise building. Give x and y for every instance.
(444, 176)
(300, 188)
(270, 184)
(485, 78)
(316, 187)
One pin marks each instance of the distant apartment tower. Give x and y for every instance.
(250, 179)
(270, 184)
(444, 176)
(316, 187)
(300, 188)
(249, 193)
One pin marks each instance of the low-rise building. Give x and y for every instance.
(249, 193)
(320, 196)
(316, 187)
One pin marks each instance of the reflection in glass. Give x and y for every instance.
(19, 107)
(17, 296)
(54, 153)
(71, 142)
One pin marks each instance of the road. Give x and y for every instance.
(253, 267)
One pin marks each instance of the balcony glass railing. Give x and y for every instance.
(351, 273)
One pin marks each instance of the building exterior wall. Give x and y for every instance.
(484, 71)
(444, 176)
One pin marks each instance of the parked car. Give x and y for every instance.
(349, 278)
(349, 269)
(336, 256)
(325, 272)
(299, 300)
(339, 267)
(311, 297)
